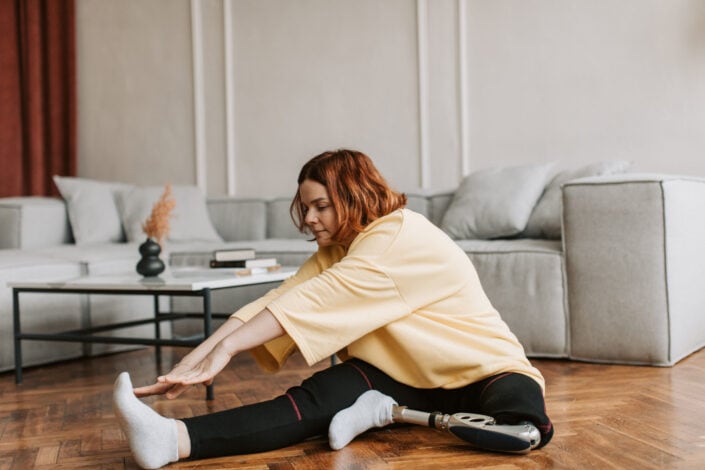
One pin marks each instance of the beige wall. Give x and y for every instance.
(574, 81)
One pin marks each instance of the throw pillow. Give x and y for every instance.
(189, 221)
(495, 203)
(92, 209)
(545, 220)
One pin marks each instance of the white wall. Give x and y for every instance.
(568, 80)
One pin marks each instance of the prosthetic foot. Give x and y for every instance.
(479, 430)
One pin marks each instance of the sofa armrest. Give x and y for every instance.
(635, 263)
(33, 222)
(238, 219)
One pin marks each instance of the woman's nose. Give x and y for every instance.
(310, 217)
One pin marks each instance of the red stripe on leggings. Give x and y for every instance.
(364, 376)
(296, 408)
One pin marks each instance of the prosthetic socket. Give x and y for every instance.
(478, 430)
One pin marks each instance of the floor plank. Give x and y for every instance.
(606, 416)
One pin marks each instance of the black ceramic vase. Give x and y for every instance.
(150, 265)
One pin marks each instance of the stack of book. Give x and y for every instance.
(243, 260)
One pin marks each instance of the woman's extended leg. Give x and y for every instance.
(302, 412)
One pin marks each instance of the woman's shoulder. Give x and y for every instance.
(396, 218)
(384, 231)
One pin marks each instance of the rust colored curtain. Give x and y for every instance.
(37, 95)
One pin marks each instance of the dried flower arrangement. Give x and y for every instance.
(156, 226)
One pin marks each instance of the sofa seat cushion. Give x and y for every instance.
(97, 259)
(15, 259)
(524, 280)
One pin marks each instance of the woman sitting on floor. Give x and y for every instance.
(388, 292)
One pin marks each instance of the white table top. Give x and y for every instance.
(185, 279)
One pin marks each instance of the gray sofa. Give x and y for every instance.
(623, 284)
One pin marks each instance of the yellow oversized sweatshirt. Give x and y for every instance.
(404, 298)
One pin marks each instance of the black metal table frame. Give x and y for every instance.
(86, 335)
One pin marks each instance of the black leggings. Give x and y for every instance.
(306, 411)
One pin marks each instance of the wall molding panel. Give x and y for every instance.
(229, 97)
(229, 93)
(422, 53)
(463, 76)
(199, 105)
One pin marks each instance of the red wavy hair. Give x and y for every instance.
(358, 192)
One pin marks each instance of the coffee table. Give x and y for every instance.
(187, 282)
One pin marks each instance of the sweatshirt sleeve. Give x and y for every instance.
(343, 303)
(272, 355)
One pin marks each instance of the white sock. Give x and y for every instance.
(371, 409)
(152, 437)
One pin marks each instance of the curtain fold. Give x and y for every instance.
(37, 95)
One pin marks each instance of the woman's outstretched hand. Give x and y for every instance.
(184, 375)
(171, 391)
(210, 357)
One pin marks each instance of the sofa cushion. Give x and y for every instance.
(24, 222)
(438, 205)
(238, 219)
(523, 279)
(92, 210)
(106, 258)
(545, 220)
(496, 202)
(417, 203)
(279, 223)
(189, 220)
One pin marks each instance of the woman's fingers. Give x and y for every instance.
(170, 390)
(203, 372)
(189, 377)
(197, 377)
(176, 390)
(155, 389)
(178, 380)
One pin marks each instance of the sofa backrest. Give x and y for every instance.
(438, 204)
(279, 223)
(33, 222)
(433, 206)
(238, 219)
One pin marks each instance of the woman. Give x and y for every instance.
(388, 292)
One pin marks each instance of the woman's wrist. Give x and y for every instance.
(228, 345)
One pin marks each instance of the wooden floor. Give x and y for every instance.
(605, 417)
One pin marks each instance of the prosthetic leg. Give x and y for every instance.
(479, 430)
